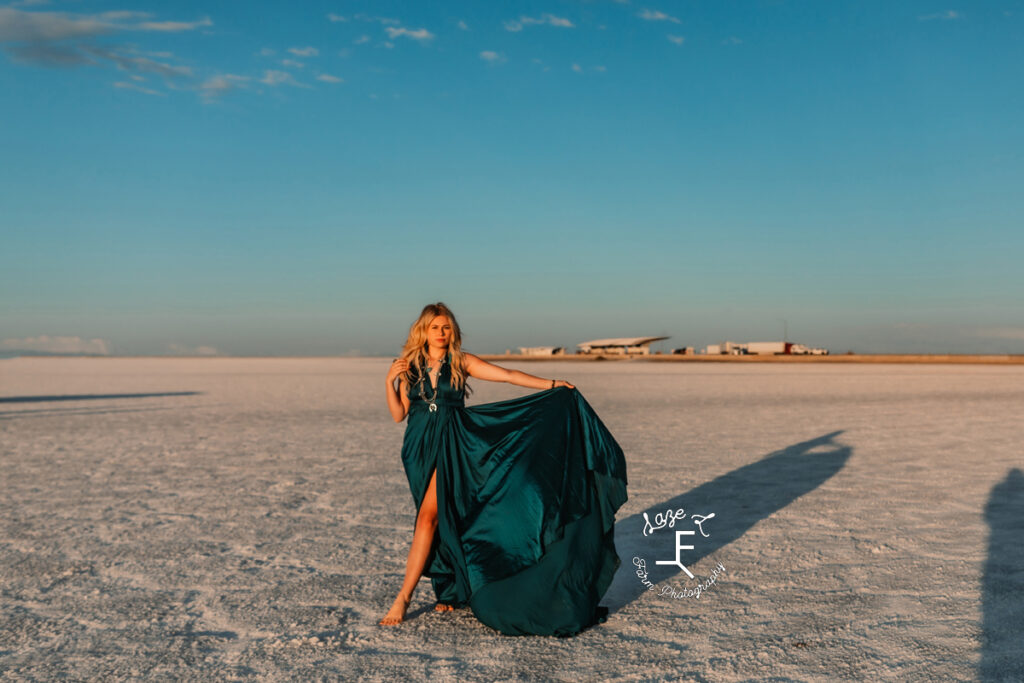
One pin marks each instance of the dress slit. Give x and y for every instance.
(435, 541)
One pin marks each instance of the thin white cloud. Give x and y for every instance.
(678, 40)
(119, 15)
(577, 68)
(127, 85)
(492, 57)
(63, 39)
(335, 17)
(328, 78)
(361, 40)
(21, 26)
(550, 19)
(557, 21)
(292, 63)
(47, 344)
(602, 69)
(272, 77)
(223, 82)
(17, 25)
(655, 15)
(948, 15)
(49, 54)
(216, 86)
(276, 78)
(175, 25)
(59, 39)
(463, 25)
(732, 40)
(132, 61)
(417, 34)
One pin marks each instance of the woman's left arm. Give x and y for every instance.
(481, 369)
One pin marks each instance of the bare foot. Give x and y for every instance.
(441, 607)
(396, 614)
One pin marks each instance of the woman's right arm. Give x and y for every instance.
(398, 401)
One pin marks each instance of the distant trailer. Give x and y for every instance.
(769, 348)
(726, 349)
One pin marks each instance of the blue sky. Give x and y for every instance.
(273, 179)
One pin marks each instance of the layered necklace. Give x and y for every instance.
(432, 405)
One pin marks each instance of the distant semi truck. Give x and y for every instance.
(768, 348)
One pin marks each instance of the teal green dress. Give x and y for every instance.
(527, 491)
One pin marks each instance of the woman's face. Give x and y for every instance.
(439, 332)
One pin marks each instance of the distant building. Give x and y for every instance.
(684, 351)
(623, 345)
(542, 350)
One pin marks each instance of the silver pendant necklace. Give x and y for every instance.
(431, 405)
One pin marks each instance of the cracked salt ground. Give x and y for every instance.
(257, 525)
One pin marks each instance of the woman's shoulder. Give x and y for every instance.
(472, 362)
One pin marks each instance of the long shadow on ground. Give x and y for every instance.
(88, 397)
(1002, 598)
(738, 499)
(80, 410)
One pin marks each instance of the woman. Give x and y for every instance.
(516, 499)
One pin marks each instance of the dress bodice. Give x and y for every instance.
(421, 392)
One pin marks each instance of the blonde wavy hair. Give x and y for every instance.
(415, 349)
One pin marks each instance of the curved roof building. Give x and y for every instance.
(623, 345)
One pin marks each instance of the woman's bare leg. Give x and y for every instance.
(423, 537)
